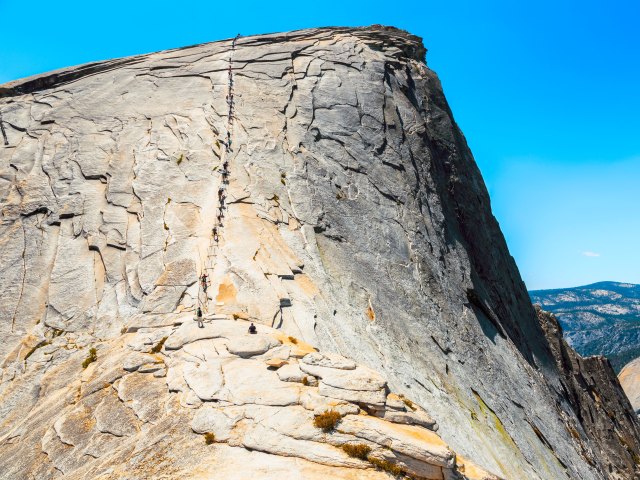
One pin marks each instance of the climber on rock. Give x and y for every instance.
(253, 329)
(199, 318)
(204, 281)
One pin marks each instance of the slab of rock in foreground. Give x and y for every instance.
(234, 401)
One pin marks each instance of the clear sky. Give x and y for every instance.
(546, 92)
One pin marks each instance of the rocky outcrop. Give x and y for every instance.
(603, 410)
(630, 380)
(319, 181)
(197, 408)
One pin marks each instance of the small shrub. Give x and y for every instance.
(327, 421)
(305, 381)
(124, 329)
(92, 357)
(293, 340)
(180, 158)
(209, 438)
(358, 450)
(166, 227)
(158, 346)
(387, 466)
(283, 178)
(57, 333)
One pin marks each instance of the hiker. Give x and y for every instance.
(253, 329)
(199, 318)
(204, 282)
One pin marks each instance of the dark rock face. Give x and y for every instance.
(354, 218)
(591, 387)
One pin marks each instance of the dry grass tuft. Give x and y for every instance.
(327, 421)
(357, 450)
(387, 466)
(209, 438)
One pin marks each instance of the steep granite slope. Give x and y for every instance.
(319, 180)
(630, 380)
(598, 319)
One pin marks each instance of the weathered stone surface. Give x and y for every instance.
(144, 394)
(220, 422)
(250, 381)
(275, 363)
(596, 394)
(630, 380)
(205, 378)
(189, 332)
(251, 345)
(136, 360)
(327, 360)
(411, 418)
(113, 417)
(374, 397)
(414, 442)
(291, 373)
(360, 378)
(355, 221)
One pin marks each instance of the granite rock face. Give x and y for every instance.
(211, 410)
(630, 380)
(320, 182)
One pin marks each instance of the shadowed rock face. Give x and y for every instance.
(354, 218)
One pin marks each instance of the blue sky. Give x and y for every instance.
(547, 94)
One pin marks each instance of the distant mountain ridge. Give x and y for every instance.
(598, 319)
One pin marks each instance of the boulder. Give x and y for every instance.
(370, 397)
(136, 360)
(249, 345)
(330, 360)
(250, 381)
(291, 373)
(415, 442)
